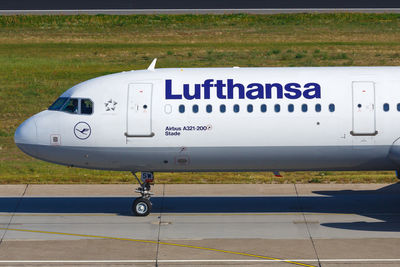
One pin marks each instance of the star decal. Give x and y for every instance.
(110, 105)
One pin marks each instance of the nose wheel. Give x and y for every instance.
(142, 206)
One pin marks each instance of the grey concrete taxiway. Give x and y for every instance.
(197, 225)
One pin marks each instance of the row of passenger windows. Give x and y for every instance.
(73, 105)
(386, 107)
(263, 108)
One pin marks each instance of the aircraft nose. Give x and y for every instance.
(25, 136)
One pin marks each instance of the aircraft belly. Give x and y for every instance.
(281, 158)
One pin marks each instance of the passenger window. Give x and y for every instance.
(249, 108)
(277, 108)
(386, 107)
(304, 108)
(236, 108)
(168, 109)
(222, 108)
(398, 107)
(195, 108)
(290, 108)
(263, 108)
(209, 108)
(181, 108)
(57, 105)
(71, 106)
(318, 108)
(331, 107)
(86, 106)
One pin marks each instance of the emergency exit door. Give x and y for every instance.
(364, 108)
(139, 110)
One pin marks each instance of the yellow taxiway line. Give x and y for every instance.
(161, 243)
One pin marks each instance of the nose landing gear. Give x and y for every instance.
(142, 205)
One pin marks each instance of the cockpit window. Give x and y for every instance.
(71, 106)
(58, 103)
(86, 106)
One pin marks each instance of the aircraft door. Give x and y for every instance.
(364, 108)
(139, 110)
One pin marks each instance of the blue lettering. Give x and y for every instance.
(207, 85)
(293, 89)
(238, 90)
(256, 93)
(268, 90)
(168, 91)
(186, 92)
(232, 85)
(220, 89)
(315, 90)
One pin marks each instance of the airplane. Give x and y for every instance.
(222, 119)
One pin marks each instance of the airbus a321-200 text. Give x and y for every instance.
(222, 119)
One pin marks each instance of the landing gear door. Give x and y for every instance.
(139, 110)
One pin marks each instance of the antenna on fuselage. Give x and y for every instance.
(152, 65)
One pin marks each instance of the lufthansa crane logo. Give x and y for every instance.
(82, 130)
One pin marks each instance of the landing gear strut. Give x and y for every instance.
(142, 205)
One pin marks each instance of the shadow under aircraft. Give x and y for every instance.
(382, 204)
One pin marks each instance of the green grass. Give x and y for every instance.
(42, 56)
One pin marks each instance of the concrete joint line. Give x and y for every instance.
(307, 224)
(159, 225)
(13, 214)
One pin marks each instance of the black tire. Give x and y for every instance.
(141, 206)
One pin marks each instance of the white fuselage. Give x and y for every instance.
(226, 119)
